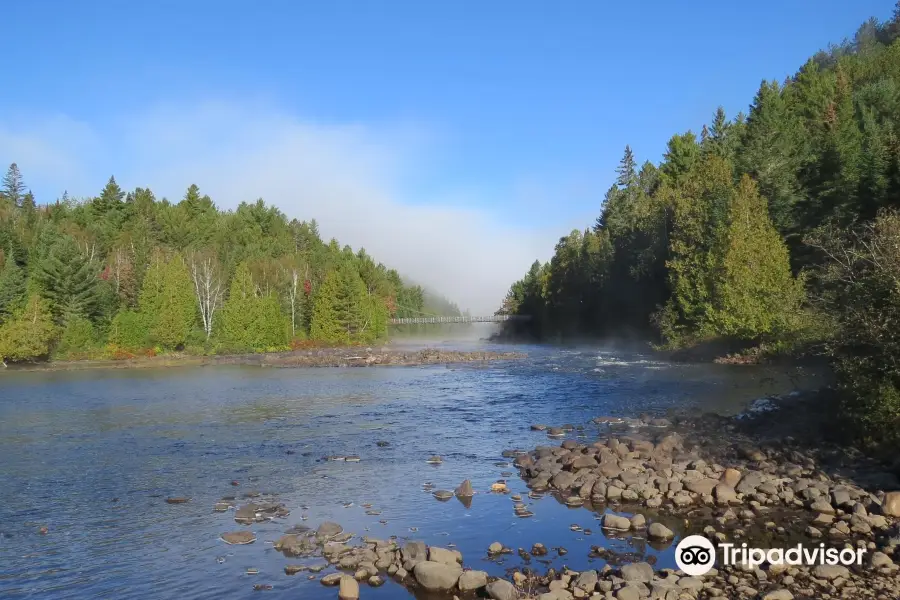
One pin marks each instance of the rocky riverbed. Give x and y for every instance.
(651, 478)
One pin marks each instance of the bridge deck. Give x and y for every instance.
(438, 320)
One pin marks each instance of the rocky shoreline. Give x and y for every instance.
(659, 480)
(321, 357)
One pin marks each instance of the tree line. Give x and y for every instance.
(774, 229)
(124, 274)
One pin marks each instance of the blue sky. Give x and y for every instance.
(503, 119)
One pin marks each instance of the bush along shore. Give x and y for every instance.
(321, 357)
(652, 478)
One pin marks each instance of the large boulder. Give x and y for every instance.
(501, 590)
(328, 530)
(890, 506)
(437, 576)
(349, 588)
(472, 580)
(443, 555)
(638, 572)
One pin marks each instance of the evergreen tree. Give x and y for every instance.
(12, 189)
(69, 281)
(755, 293)
(111, 199)
(327, 324)
(251, 321)
(12, 287)
(626, 176)
(28, 334)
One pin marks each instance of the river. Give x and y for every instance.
(92, 455)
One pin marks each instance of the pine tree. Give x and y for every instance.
(755, 293)
(13, 188)
(12, 287)
(69, 281)
(178, 307)
(27, 335)
(111, 199)
(251, 321)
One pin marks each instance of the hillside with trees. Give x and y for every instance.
(125, 274)
(775, 230)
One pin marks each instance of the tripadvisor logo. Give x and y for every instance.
(696, 555)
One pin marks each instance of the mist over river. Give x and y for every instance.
(93, 455)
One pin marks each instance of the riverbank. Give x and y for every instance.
(759, 479)
(319, 357)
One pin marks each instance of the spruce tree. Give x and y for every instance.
(178, 307)
(69, 281)
(12, 287)
(625, 172)
(12, 188)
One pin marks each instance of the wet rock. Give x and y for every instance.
(293, 569)
(328, 530)
(442, 494)
(611, 521)
(177, 500)
(382, 444)
(472, 580)
(658, 531)
(501, 590)
(375, 581)
(638, 521)
(435, 460)
(349, 588)
(556, 432)
(332, 579)
(238, 537)
(262, 587)
(499, 487)
(465, 489)
(574, 501)
(538, 427)
(538, 550)
(436, 576)
(495, 548)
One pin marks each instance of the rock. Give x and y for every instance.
(382, 444)
(375, 581)
(435, 460)
(465, 489)
(702, 486)
(332, 579)
(495, 548)
(822, 506)
(587, 581)
(238, 537)
(443, 555)
(628, 593)
(501, 590)
(555, 432)
(442, 494)
(538, 427)
(436, 576)
(349, 588)
(830, 572)
(731, 477)
(880, 559)
(472, 580)
(638, 572)
(611, 521)
(328, 530)
(890, 506)
(724, 494)
(782, 594)
(177, 500)
(293, 569)
(638, 521)
(584, 462)
(658, 531)
(499, 487)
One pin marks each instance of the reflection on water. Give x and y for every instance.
(92, 455)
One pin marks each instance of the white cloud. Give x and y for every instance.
(351, 178)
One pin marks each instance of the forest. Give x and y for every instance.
(775, 231)
(123, 275)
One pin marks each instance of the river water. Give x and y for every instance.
(92, 456)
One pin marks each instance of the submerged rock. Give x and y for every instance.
(238, 537)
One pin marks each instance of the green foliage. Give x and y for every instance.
(252, 321)
(12, 287)
(69, 281)
(129, 330)
(28, 334)
(167, 301)
(78, 339)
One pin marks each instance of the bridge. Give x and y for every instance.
(439, 320)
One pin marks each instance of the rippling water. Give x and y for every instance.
(92, 455)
